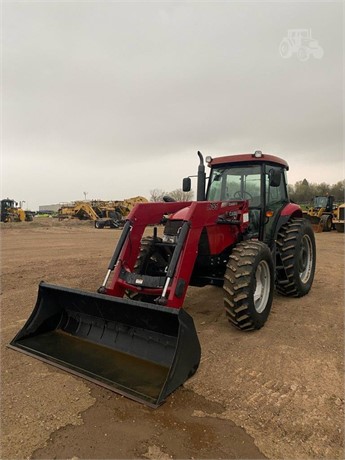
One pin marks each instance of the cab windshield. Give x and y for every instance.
(320, 201)
(236, 183)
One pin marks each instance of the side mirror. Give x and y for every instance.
(186, 184)
(275, 177)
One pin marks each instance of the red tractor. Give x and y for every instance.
(242, 234)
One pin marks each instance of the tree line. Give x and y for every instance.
(304, 191)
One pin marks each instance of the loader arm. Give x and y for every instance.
(194, 217)
(86, 209)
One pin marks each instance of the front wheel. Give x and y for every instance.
(297, 252)
(326, 223)
(303, 53)
(152, 261)
(248, 285)
(99, 224)
(285, 49)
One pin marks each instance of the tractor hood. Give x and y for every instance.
(181, 214)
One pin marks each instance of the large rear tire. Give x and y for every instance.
(297, 251)
(248, 285)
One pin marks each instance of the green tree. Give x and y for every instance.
(338, 190)
(303, 191)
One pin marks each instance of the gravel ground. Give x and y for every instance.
(274, 393)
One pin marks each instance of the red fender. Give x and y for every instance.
(293, 210)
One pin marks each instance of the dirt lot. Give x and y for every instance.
(275, 393)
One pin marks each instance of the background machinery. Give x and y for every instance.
(133, 336)
(80, 209)
(321, 213)
(339, 219)
(11, 212)
(115, 212)
(103, 213)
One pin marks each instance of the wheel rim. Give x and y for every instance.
(305, 261)
(263, 286)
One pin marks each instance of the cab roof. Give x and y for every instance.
(249, 158)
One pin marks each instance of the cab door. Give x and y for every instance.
(275, 199)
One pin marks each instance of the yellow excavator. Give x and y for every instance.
(103, 213)
(11, 212)
(80, 209)
(115, 212)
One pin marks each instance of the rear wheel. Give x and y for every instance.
(248, 285)
(297, 251)
(152, 260)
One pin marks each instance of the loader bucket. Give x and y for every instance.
(137, 349)
(316, 223)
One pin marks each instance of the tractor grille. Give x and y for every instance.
(341, 213)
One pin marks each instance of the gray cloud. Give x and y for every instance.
(116, 98)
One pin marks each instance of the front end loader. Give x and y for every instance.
(133, 336)
(321, 214)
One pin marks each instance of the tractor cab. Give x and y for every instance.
(7, 205)
(323, 202)
(259, 179)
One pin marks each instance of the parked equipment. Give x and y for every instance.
(11, 212)
(339, 220)
(103, 213)
(133, 336)
(321, 213)
(80, 210)
(113, 216)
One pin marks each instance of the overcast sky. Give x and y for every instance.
(115, 98)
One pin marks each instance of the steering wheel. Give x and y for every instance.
(241, 195)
